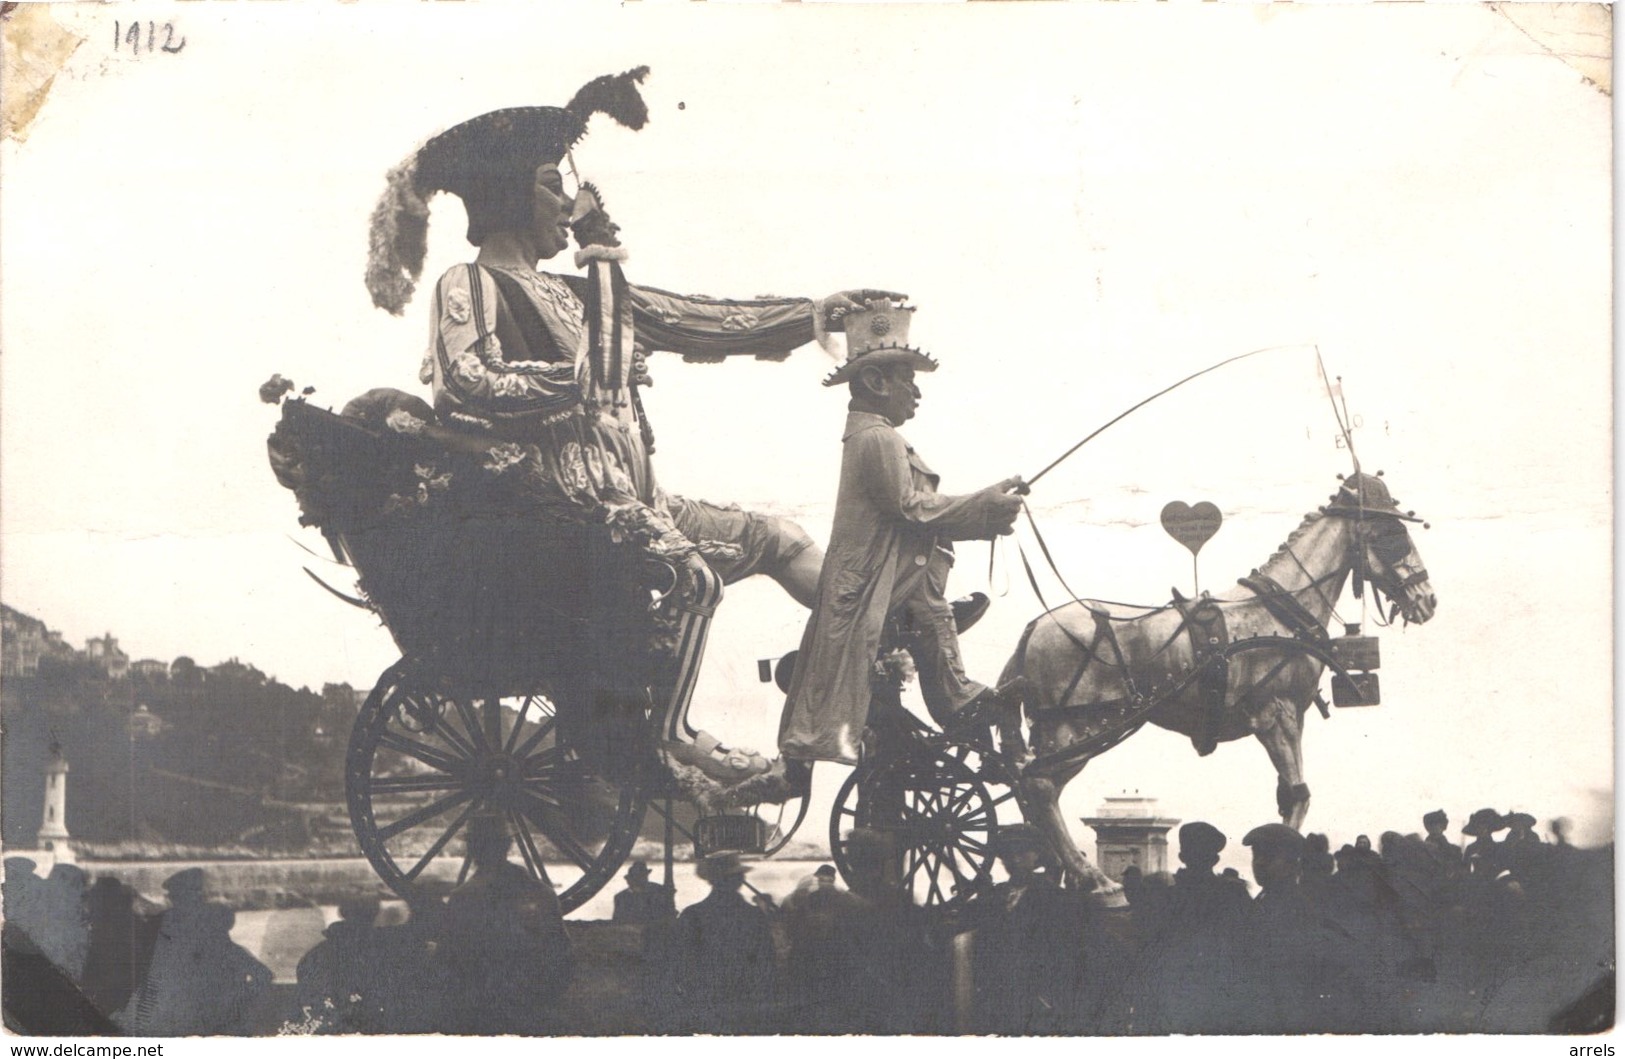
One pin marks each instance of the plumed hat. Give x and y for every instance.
(1517, 819)
(878, 335)
(470, 156)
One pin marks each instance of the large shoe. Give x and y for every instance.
(984, 709)
(716, 761)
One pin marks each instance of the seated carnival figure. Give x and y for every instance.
(509, 355)
(890, 551)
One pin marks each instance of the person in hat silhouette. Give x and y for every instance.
(514, 360)
(1179, 982)
(723, 950)
(830, 966)
(642, 901)
(1483, 854)
(1277, 862)
(502, 942)
(890, 551)
(1292, 960)
(1201, 895)
(1445, 853)
(1028, 948)
(199, 981)
(341, 973)
(1522, 850)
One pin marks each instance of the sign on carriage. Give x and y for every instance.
(1192, 525)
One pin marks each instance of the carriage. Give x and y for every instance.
(536, 645)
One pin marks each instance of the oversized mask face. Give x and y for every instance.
(893, 386)
(551, 207)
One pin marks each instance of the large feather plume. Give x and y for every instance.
(613, 94)
(398, 239)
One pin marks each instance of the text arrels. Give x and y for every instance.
(144, 36)
(1592, 1049)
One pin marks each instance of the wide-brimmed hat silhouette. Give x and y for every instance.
(719, 866)
(1484, 823)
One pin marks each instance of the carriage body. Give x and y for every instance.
(534, 646)
(505, 602)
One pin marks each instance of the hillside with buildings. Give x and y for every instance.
(165, 753)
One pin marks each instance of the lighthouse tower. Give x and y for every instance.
(53, 832)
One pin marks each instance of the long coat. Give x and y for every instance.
(888, 519)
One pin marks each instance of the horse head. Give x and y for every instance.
(1386, 555)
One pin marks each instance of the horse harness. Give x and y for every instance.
(1112, 721)
(1203, 624)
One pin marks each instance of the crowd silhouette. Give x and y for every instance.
(1410, 934)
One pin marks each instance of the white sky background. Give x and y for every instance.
(1086, 203)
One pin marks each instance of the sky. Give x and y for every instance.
(1085, 203)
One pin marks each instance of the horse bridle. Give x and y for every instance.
(1390, 529)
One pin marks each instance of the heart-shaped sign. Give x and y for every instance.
(1191, 525)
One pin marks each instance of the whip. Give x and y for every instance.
(1123, 415)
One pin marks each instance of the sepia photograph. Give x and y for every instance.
(1066, 520)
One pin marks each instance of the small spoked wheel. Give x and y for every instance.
(424, 758)
(932, 803)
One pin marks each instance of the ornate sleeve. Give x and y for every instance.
(709, 329)
(468, 362)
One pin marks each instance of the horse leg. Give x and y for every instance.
(1279, 726)
(1041, 805)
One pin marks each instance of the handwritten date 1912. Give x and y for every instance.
(133, 39)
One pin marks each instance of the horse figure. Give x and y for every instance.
(1247, 662)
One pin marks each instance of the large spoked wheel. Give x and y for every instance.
(423, 759)
(933, 800)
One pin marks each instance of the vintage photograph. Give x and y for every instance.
(801, 519)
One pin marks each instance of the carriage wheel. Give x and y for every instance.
(934, 799)
(423, 760)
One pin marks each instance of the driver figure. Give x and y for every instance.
(889, 554)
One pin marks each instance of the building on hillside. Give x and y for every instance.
(1129, 833)
(151, 668)
(24, 641)
(106, 655)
